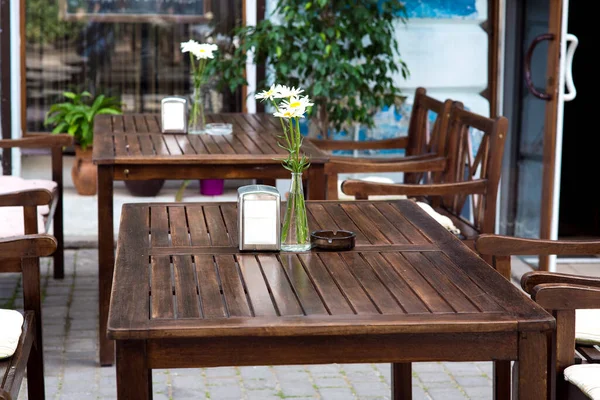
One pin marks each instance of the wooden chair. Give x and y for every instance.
(16, 192)
(475, 176)
(29, 353)
(424, 145)
(560, 294)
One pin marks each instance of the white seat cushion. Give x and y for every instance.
(586, 377)
(10, 184)
(11, 322)
(587, 326)
(442, 219)
(12, 224)
(376, 179)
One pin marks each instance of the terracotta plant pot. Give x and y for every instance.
(147, 188)
(84, 173)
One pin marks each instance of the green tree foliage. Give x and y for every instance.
(343, 52)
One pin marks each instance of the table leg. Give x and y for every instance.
(106, 258)
(317, 182)
(401, 381)
(532, 366)
(502, 380)
(134, 379)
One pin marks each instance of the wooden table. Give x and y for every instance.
(409, 291)
(131, 147)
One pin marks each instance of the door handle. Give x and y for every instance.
(528, 80)
(572, 91)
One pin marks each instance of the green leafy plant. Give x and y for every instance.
(76, 116)
(343, 53)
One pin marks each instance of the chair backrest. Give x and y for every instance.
(475, 148)
(560, 294)
(427, 130)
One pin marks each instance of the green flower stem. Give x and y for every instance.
(296, 210)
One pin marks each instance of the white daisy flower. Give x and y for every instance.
(297, 103)
(285, 91)
(199, 50)
(289, 113)
(267, 94)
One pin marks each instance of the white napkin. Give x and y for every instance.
(11, 323)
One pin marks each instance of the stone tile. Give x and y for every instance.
(479, 391)
(446, 394)
(330, 381)
(473, 381)
(336, 394)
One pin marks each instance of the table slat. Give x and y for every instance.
(216, 226)
(233, 289)
(172, 145)
(146, 145)
(416, 281)
(197, 226)
(441, 283)
(129, 123)
(405, 296)
(334, 300)
(159, 145)
(185, 288)
(184, 143)
(262, 304)
(140, 124)
(373, 233)
(213, 305)
(159, 227)
(153, 123)
(178, 226)
(284, 296)
(162, 287)
(133, 145)
(376, 289)
(344, 222)
(302, 284)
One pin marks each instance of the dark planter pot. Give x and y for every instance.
(147, 188)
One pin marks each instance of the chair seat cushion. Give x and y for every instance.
(441, 219)
(587, 327)
(10, 184)
(12, 224)
(376, 179)
(11, 322)
(586, 377)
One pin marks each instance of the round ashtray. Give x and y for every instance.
(219, 128)
(333, 240)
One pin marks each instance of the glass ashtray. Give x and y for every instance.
(219, 128)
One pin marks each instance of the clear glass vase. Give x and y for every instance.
(197, 122)
(294, 233)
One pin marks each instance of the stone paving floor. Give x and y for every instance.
(70, 314)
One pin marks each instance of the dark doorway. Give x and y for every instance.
(579, 214)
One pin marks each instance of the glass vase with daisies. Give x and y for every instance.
(289, 106)
(201, 55)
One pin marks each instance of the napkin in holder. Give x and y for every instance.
(259, 218)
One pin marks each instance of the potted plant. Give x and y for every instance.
(76, 117)
(344, 56)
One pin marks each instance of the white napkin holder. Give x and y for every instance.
(173, 115)
(259, 218)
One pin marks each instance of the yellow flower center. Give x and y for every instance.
(295, 104)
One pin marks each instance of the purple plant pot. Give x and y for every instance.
(211, 187)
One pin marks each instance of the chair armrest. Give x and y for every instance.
(41, 245)
(559, 296)
(404, 164)
(498, 245)
(355, 187)
(23, 198)
(397, 143)
(37, 141)
(534, 278)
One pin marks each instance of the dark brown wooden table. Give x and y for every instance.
(131, 147)
(184, 296)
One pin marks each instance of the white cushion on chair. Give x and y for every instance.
(10, 184)
(442, 219)
(587, 326)
(586, 377)
(376, 179)
(11, 322)
(12, 224)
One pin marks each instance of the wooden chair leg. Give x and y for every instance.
(59, 254)
(502, 380)
(32, 301)
(58, 223)
(401, 381)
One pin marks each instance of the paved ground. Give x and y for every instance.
(70, 337)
